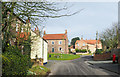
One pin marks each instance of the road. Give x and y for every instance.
(76, 67)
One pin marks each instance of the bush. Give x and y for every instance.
(14, 63)
(89, 51)
(98, 51)
(81, 50)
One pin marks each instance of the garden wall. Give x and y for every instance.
(103, 56)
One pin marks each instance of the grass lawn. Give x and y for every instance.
(86, 54)
(38, 70)
(57, 56)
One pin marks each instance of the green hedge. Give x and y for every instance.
(81, 50)
(98, 51)
(14, 63)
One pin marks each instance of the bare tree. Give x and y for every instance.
(110, 37)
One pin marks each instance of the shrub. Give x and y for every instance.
(77, 50)
(89, 51)
(98, 51)
(81, 50)
(14, 63)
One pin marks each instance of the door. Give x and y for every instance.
(52, 49)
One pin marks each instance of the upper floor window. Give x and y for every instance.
(21, 29)
(52, 42)
(77, 44)
(60, 42)
(16, 26)
(83, 44)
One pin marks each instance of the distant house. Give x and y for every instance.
(88, 44)
(39, 47)
(57, 43)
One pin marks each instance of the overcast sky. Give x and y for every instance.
(96, 16)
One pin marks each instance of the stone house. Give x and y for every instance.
(39, 47)
(88, 44)
(57, 43)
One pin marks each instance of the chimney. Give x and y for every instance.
(66, 32)
(35, 29)
(28, 20)
(81, 38)
(44, 32)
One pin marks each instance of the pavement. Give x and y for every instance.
(81, 66)
(107, 65)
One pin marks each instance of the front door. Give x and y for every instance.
(52, 49)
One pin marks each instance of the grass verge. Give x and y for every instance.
(57, 56)
(38, 70)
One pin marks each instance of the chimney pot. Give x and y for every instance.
(65, 31)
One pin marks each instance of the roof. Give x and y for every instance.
(54, 36)
(89, 41)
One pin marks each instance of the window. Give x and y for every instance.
(77, 44)
(60, 42)
(52, 42)
(60, 49)
(22, 30)
(52, 49)
(16, 26)
(83, 44)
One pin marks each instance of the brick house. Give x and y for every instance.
(57, 43)
(88, 44)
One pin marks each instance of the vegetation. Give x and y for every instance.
(81, 50)
(74, 40)
(58, 56)
(99, 51)
(109, 37)
(14, 63)
(38, 70)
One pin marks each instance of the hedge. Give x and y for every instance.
(14, 63)
(81, 50)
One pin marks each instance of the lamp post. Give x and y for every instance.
(96, 39)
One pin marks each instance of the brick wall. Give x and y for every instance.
(104, 56)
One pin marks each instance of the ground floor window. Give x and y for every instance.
(60, 49)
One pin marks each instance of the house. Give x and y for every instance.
(88, 44)
(39, 47)
(57, 43)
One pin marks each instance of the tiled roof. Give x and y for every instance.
(89, 41)
(54, 36)
(23, 35)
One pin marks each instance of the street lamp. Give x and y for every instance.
(96, 39)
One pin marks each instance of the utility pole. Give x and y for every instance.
(96, 39)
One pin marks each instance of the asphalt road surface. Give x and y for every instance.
(76, 67)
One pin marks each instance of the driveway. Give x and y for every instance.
(76, 67)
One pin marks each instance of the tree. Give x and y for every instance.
(74, 40)
(110, 37)
(36, 12)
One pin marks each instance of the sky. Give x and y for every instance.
(96, 16)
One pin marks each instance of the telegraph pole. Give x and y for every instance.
(96, 39)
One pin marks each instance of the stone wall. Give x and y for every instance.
(104, 56)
